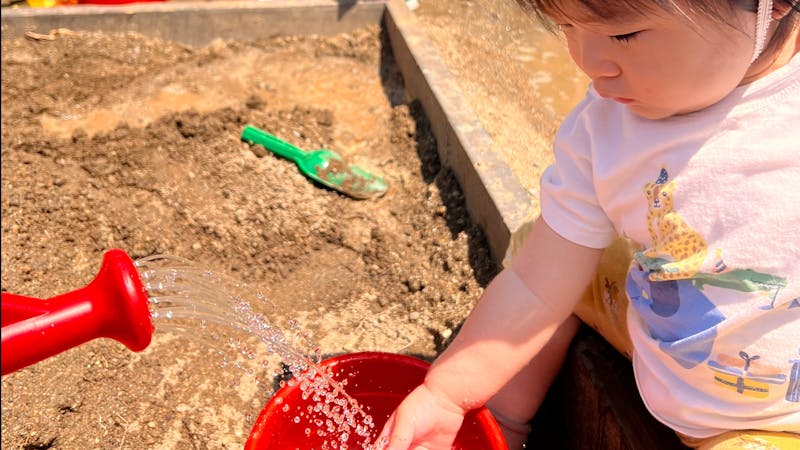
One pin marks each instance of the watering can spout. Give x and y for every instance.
(113, 305)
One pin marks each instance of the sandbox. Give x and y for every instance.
(121, 130)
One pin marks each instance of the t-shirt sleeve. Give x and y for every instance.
(569, 200)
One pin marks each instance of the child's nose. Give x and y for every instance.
(593, 58)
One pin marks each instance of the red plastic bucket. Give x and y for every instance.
(379, 382)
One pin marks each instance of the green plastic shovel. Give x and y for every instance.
(324, 166)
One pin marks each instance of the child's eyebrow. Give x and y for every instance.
(600, 22)
(619, 18)
(589, 17)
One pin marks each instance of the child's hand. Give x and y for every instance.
(423, 421)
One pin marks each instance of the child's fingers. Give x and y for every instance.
(400, 433)
(386, 432)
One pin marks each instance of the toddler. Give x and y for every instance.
(675, 195)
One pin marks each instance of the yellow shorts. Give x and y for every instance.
(749, 439)
(604, 308)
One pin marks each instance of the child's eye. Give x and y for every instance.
(625, 37)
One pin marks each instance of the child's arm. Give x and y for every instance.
(517, 314)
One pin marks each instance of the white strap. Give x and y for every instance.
(762, 27)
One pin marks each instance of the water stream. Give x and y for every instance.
(187, 299)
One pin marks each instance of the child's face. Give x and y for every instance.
(658, 64)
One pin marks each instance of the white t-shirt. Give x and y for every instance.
(713, 199)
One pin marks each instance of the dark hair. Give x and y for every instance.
(788, 23)
(621, 9)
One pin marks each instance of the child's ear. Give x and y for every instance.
(780, 9)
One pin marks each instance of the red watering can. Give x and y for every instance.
(113, 305)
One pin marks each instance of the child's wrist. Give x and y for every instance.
(446, 401)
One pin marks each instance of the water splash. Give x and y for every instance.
(180, 292)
